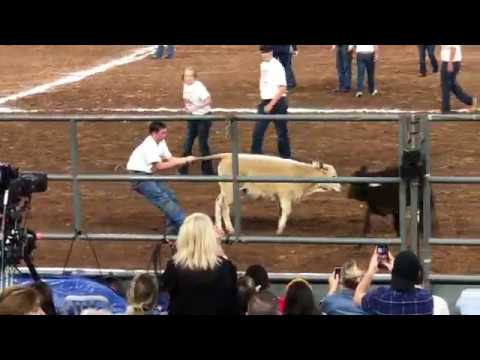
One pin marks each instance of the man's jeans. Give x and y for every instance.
(160, 195)
(344, 68)
(366, 63)
(449, 84)
(422, 53)
(261, 126)
(161, 49)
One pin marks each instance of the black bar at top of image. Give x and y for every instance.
(235, 23)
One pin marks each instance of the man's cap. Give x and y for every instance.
(406, 271)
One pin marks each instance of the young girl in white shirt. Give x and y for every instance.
(197, 101)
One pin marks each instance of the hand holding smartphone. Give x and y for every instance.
(338, 272)
(382, 255)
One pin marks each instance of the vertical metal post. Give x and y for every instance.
(414, 184)
(427, 210)
(235, 170)
(77, 211)
(402, 193)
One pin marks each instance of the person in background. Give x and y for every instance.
(284, 54)
(422, 54)
(21, 300)
(197, 101)
(142, 295)
(273, 94)
(246, 289)
(161, 49)
(299, 299)
(367, 57)
(200, 279)
(341, 302)
(260, 277)
(263, 303)
(451, 57)
(344, 67)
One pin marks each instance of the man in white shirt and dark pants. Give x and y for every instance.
(273, 93)
(151, 156)
(451, 57)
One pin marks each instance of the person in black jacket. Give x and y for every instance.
(284, 54)
(200, 279)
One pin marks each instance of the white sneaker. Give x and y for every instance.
(375, 92)
(359, 94)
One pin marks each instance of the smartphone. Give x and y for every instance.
(338, 272)
(382, 252)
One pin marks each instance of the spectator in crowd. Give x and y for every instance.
(344, 67)
(197, 101)
(263, 303)
(161, 49)
(367, 57)
(401, 297)
(46, 297)
(21, 300)
(142, 295)
(246, 289)
(341, 303)
(299, 299)
(284, 54)
(468, 303)
(259, 276)
(200, 279)
(422, 53)
(153, 155)
(115, 285)
(451, 57)
(273, 93)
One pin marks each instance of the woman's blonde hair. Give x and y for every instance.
(19, 300)
(197, 244)
(142, 294)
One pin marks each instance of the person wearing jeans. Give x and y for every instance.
(161, 49)
(422, 53)
(367, 56)
(451, 56)
(284, 54)
(153, 154)
(344, 67)
(197, 101)
(273, 89)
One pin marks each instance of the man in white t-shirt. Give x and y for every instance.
(273, 93)
(151, 156)
(451, 57)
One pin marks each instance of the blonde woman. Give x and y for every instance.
(142, 295)
(200, 279)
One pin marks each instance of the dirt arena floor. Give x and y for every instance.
(231, 74)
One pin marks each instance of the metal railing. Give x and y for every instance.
(76, 178)
(428, 181)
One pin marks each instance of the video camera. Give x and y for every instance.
(16, 191)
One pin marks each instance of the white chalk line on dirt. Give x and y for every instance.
(227, 110)
(77, 76)
(290, 110)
